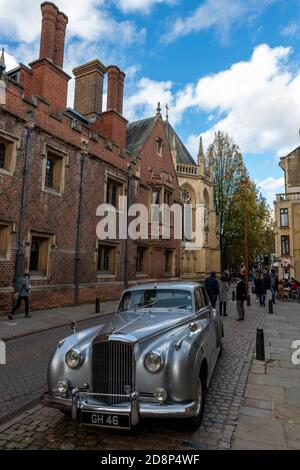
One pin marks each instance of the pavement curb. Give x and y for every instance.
(31, 333)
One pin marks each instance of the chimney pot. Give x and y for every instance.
(60, 36)
(48, 33)
(112, 87)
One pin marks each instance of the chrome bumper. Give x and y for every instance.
(135, 408)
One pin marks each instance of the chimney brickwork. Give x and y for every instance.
(89, 79)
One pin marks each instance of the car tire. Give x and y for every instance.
(194, 422)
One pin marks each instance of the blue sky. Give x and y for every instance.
(232, 65)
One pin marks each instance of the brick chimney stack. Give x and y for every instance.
(89, 78)
(48, 34)
(112, 87)
(54, 24)
(60, 36)
(48, 80)
(122, 77)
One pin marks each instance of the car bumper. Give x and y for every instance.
(135, 410)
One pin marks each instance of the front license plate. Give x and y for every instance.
(105, 420)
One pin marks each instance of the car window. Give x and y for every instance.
(199, 302)
(156, 299)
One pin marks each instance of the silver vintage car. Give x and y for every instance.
(154, 358)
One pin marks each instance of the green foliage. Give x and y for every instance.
(238, 204)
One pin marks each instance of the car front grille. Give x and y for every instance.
(112, 369)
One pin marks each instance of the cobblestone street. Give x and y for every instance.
(41, 428)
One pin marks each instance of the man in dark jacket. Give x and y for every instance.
(241, 296)
(22, 293)
(212, 287)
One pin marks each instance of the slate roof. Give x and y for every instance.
(183, 155)
(139, 131)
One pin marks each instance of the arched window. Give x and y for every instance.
(2, 156)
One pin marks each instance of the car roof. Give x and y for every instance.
(179, 285)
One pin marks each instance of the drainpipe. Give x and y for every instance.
(30, 125)
(83, 155)
(126, 259)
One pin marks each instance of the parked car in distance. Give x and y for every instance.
(153, 358)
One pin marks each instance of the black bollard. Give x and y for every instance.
(233, 296)
(271, 307)
(260, 345)
(97, 305)
(249, 301)
(253, 290)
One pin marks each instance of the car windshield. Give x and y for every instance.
(157, 299)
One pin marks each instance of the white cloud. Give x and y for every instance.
(10, 60)
(291, 30)
(259, 101)
(221, 15)
(142, 6)
(270, 187)
(88, 20)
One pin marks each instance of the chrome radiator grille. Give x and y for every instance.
(112, 371)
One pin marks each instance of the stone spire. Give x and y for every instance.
(201, 157)
(158, 109)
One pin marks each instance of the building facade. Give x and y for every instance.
(287, 218)
(58, 165)
(197, 188)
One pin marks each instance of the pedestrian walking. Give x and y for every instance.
(274, 285)
(260, 290)
(22, 293)
(224, 293)
(241, 296)
(212, 287)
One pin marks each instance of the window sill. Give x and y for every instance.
(53, 192)
(105, 276)
(38, 277)
(6, 172)
(141, 275)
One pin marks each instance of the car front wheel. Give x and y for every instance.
(194, 422)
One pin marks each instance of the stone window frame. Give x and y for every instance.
(283, 251)
(119, 181)
(146, 252)
(169, 251)
(115, 248)
(50, 243)
(282, 214)
(62, 159)
(159, 147)
(11, 143)
(7, 229)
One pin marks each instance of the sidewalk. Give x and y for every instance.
(44, 320)
(270, 416)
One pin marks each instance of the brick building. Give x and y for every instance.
(57, 165)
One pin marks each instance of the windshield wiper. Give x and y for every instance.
(178, 308)
(144, 306)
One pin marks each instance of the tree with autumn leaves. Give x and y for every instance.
(239, 205)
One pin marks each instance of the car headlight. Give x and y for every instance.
(73, 359)
(153, 362)
(62, 386)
